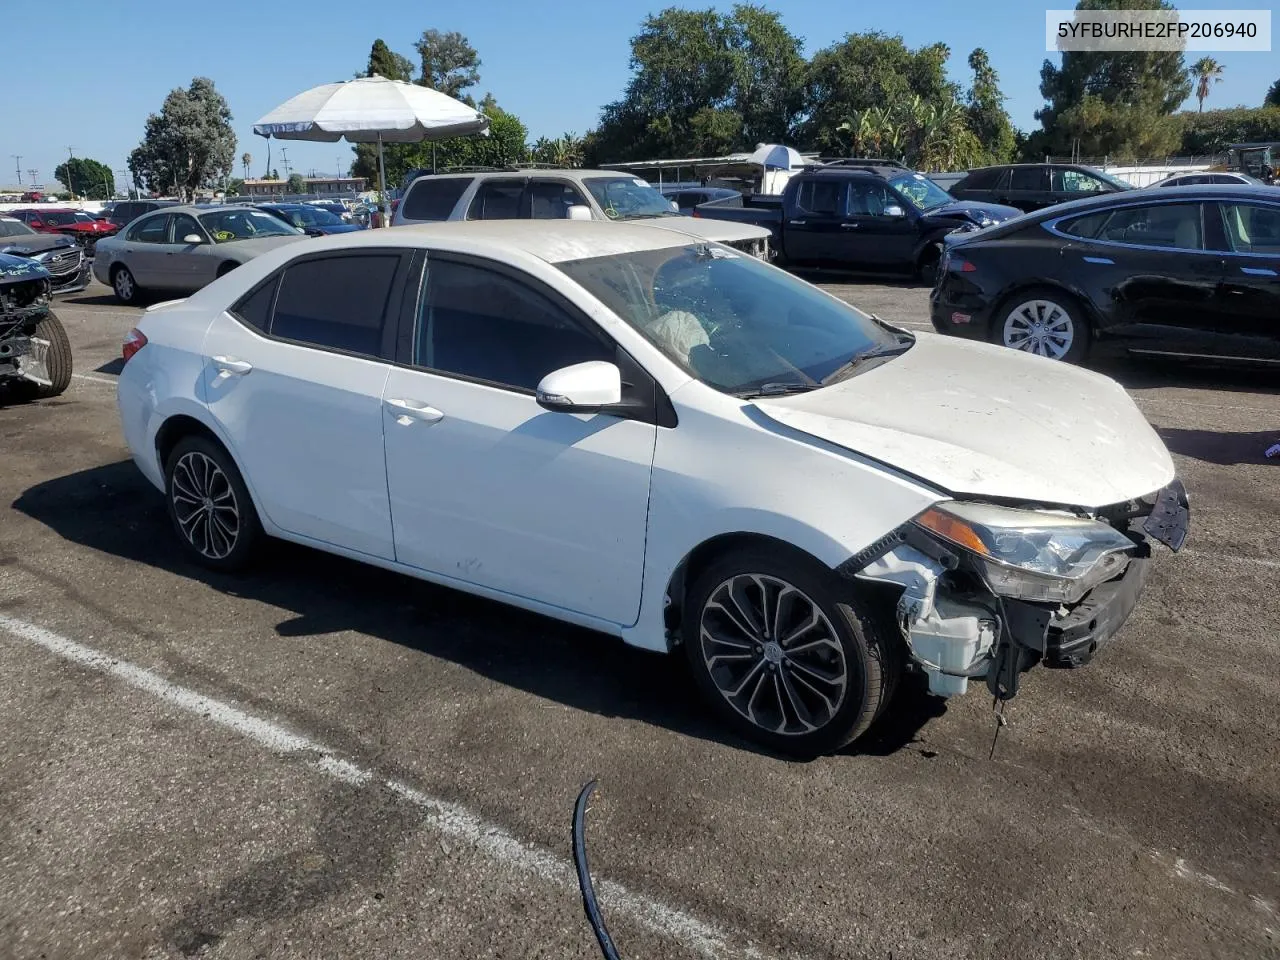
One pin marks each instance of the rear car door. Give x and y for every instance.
(1251, 282)
(501, 198)
(146, 246)
(294, 373)
(813, 232)
(1026, 188)
(489, 488)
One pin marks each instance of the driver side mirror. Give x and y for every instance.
(893, 210)
(193, 238)
(581, 388)
(578, 211)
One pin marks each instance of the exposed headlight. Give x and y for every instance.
(1032, 555)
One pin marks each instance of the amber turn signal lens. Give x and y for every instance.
(953, 529)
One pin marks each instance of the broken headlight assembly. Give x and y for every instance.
(1031, 555)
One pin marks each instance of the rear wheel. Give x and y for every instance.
(226, 267)
(1043, 321)
(57, 361)
(209, 505)
(779, 646)
(125, 287)
(927, 267)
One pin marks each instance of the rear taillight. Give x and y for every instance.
(134, 341)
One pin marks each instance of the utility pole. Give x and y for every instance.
(33, 176)
(17, 165)
(71, 186)
(284, 158)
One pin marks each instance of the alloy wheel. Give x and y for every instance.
(1041, 327)
(204, 504)
(124, 285)
(773, 654)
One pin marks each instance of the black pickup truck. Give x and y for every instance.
(874, 217)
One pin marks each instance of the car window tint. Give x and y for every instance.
(980, 180)
(255, 309)
(1074, 181)
(1027, 178)
(1173, 225)
(1086, 226)
(482, 324)
(183, 225)
(551, 200)
(338, 302)
(868, 198)
(821, 197)
(434, 199)
(497, 200)
(1252, 228)
(151, 230)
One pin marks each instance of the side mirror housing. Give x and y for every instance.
(581, 388)
(193, 238)
(675, 206)
(893, 210)
(578, 211)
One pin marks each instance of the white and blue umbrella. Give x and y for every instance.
(372, 110)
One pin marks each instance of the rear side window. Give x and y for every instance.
(1169, 225)
(822, 197)
(981, 180)
(151, 230)
(430, 199)
(497, 200)
(255, 309)
(1086, 227)
(1029, 178)
(336, 302)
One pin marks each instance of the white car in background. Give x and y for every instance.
(664, 440)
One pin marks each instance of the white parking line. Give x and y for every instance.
(111, 381)
(448, 818)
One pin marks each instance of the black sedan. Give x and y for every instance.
(1193, 272)
(312, 220)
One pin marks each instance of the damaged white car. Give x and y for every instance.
(664, 440)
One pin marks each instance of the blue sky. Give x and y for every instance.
(553, 69)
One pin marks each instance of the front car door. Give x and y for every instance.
(813, 232)
(295, 374)
(873, 237)
(1068, 183)
(486, 486)
(191, 265)
(1251, 281)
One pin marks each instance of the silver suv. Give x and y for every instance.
(559, 195)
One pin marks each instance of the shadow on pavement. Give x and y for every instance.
(91, 297)
(1146, 374)
(1220, 447)
(113, 510)
(111, 366)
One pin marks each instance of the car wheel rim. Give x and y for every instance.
(773, 654)
(204, 504)
(124, 285)
(1041, 327)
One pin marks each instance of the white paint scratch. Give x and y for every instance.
(109, 381)
(446, 818)
(1185, 872)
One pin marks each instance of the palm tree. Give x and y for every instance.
(246, 159)
(1203, 72)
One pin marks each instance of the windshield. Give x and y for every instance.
(61, 218)
(15, 228)
(628, 198)
(920, 191)
(736, 324)
(1113, 181)
(311, 217)
(229, 225)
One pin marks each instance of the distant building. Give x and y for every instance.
(316, 185)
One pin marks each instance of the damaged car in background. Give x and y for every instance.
(59, 254)
(35, 355)
(664, 440)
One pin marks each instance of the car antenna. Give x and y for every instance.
(589, 903)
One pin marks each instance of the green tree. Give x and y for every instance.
(868, 70)
(563, 151)
(1214, 130)
(383, 62)
(768, 74)
(235, 187)
(449, 63)
(189, 144)
(296, 183)
(1273, 96)
(275, 174)
(985, 113)
(87, 178)
(1113, 102)
(1205, 72)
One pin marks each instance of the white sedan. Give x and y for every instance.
(664, 440)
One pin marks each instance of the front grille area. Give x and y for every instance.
(64, 262)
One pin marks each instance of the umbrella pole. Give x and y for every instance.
(382, 184)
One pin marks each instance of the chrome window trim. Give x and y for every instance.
(1051, 225)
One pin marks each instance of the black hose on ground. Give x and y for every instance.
(589, 904)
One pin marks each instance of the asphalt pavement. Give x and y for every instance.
(328, 760)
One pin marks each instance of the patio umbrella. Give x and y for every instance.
(779, 157)
(372, 110)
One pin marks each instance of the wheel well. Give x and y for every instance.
(226, 267)
(1084, 309)
(175, 429)
(115, 268)
(700, 557)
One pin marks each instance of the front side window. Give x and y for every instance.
(14, 228)
(150, 230)
(228, 226)
(731, 321)
(551, 199)
(183, 227)
(1073, 181)
(1172, 225)
(481, 324)
(628, 198)
(868, 198)
(336, 302)
(497, 200)
(1252, 228)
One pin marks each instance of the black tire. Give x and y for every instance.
(1081, 334)
(846, 636)
(203, 529)
(124, 285)
(927, 266)
(226, 267)
(57, 362)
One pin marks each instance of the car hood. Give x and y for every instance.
(26, 246)
(985, 421)
(254, 247)
(19, 268)
(975, 211)
(718, 231)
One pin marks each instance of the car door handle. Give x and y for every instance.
(797, 223)
(1107, 261)
(231, 367)
(407, 411)
(848, 226)
(1258, 271)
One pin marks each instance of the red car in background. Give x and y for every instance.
(74, 223)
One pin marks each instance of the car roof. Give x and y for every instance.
(211, 208)
(562, 174)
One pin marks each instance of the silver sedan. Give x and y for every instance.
(181, 249)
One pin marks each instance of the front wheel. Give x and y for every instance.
(781, 649)
(1045, 322)
(927, 267)
(209, 505)
(52, 337)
